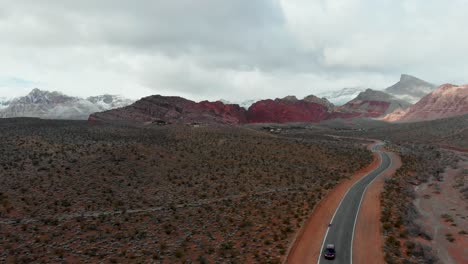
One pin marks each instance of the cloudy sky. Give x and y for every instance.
(232, 49)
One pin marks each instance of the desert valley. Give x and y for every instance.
(169, 180)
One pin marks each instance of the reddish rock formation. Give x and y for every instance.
(162, 109)
(287, 110)
(170, 109)
(446, 101)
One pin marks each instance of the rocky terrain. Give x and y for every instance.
(371, 103)
(71, 191)
(290, 109)
(55, 105)
(410, 89)
(169, 109)
(446, 101)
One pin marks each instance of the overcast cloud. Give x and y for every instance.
(228, 49)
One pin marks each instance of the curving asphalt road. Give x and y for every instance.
(341, 229)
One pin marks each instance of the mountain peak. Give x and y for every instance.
(36, 92)
(445, 101)
(56, 105)
(407, 77)
(290, 98)
(322, 101)
(410, 88)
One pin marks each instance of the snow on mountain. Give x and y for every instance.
(342, 96)
(446, 101)
(55, 105)
(410, 89)
(108, 102)
(4, 102)
(245, 104)
(372, 103)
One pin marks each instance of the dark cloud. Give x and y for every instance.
(242, 48)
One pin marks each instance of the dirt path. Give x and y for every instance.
(368, 242)
(92, 214)
(306, 247)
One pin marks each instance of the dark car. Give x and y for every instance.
(329, 252)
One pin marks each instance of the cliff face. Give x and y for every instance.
(446, 101)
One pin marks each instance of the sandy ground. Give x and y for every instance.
(368, 241)
(436, 199)
(307, 245)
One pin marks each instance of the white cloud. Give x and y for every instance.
(228, 49)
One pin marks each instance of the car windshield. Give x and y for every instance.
(330, 250)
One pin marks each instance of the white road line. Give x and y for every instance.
(360, 202)
(339, 205)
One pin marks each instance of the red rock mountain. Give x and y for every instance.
(173, 110)
(446, 101)
(289, 109)
(159, 108)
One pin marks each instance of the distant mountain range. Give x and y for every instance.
(390, 104)
(446, 101)
(167, 109)
(342, 96)
(55, 105)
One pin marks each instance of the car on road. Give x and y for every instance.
(329, 252)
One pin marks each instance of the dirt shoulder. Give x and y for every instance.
(308, 242)
(368, 242)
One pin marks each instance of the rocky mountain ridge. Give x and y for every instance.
(56, 105)
(410, 88)
(168, 109)
(446, 101)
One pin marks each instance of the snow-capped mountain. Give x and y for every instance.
(107, 101)
(410, 89)
(446, 101)
(55, 105)
(245, 104)
(371, 103)
(342, 96)
(4, 102)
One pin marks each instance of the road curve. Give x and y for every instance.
(341, 229)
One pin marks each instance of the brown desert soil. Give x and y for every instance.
(368, 241)
(307, 245)
(444, 211)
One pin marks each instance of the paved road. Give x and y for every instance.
(341, 230)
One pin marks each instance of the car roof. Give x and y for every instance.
(330, 246)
